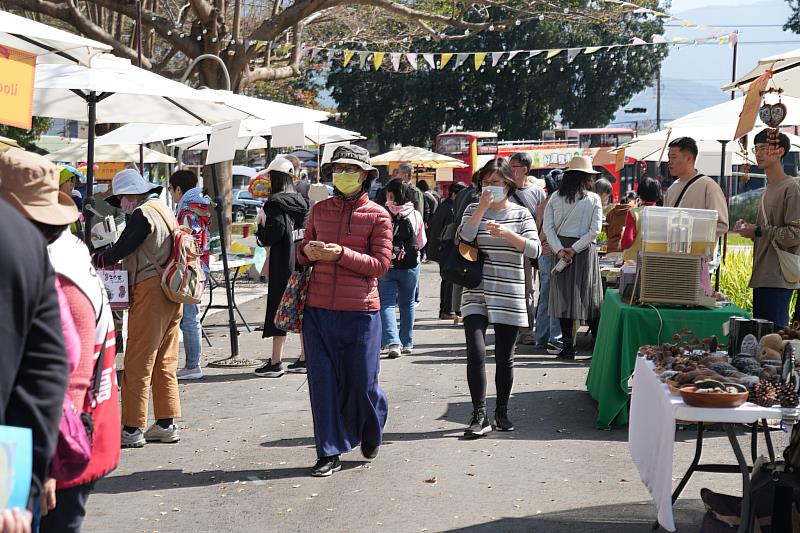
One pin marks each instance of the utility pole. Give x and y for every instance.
(658, 99)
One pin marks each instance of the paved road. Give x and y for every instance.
(247, 447)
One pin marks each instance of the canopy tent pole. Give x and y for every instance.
(728, 201)
(91, 100)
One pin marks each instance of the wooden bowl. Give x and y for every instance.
(712, 399)
(674, 388)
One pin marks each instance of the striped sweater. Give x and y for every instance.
(501, 295)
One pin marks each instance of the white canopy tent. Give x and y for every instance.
(785, 73)
(725, 117)
(120, 153)
(49, 44)
(253, 132)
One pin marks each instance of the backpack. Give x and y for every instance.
(182, 278)
(405, 248)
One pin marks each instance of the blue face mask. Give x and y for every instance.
(498, 192)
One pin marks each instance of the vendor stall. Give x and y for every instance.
(623, 329)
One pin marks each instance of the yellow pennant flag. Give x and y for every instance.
(348, 55)
(724, 39)
(479, 58)
(445, 59)
(554, 52)
(377, 59)
(688, 24)
(591, 49)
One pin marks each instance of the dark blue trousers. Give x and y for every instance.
(772, 304)
(343, 360)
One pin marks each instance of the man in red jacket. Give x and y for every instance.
(348, 239)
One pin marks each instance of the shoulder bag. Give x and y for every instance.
(463, 265)
(789, 262)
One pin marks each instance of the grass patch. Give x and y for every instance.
(734, 239)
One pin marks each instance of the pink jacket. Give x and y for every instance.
(364, 230)
(407, 210)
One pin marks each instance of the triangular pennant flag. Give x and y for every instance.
(362, 57)
(512, 54)
(734, 38)
(658, 39)
(636, 41)
(314, 52)
(496, 57)
(702, 40)
(554, 52)
(688, 24)
(591, 49)
(429, 59)
(480, 57)
(396, 60)
(460, 58)
(445, 58)
(377, 59)
(348, 55)
(572, 53)
(534, 53)
(724, 39)
(677, 40)
(412, 59)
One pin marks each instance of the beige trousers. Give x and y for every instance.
(151, 355)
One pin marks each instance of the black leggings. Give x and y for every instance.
(505, 341)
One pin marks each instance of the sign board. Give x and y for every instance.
(16, 87)
(222, 146)
(289, 135)
(444, 174)
(107, 171)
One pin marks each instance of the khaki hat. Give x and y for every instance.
(29, 182)
(581, 163)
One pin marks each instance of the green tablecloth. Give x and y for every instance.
(623, 329)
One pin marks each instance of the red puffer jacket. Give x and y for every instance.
(364, 230)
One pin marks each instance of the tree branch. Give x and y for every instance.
(280, 73)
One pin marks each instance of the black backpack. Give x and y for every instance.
(405, 249)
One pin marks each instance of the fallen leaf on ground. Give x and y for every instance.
(432, 480)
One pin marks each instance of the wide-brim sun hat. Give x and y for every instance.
(581, 163)
(350, 154)
(67, 172)
(29, 182)
(129, 181)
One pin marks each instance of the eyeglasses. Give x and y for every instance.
(755, 149)
(492, 182)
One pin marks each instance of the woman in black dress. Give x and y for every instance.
(279, 226)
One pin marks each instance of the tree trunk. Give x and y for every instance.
(225, 180)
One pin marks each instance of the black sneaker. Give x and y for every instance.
(567, 352)
(501, 421)
(326, 466)
(479, 425)
(270, 371)
(369, 452)
(298, 367)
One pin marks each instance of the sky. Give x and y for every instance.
(692, 75)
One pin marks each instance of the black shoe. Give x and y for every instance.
(479, 425)
(326, 466)
(446, 316)
(501, 421)
(270, 371)
(567, 352)
(298, 367)
(369, 452)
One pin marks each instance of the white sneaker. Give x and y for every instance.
(132, 439)
(190, 373)
(158, 434)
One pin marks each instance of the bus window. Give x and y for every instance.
(487, 145)
(454, 145)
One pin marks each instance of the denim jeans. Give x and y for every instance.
(397, 288)
(547, 327)
(772, 304)
(192, 335)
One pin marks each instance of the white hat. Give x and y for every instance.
(581, 163)
(129, 181)
(281, 164)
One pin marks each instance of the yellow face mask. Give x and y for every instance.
(346, 182)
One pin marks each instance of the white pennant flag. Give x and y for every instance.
(572, 53)
(395, 60)
(534, 53)
(362, 58)
(412, 59)
(658, 39)
(496, 57)
(460, 58)
(512, 54)
(314, 52)
(636, 41)
(429, 60)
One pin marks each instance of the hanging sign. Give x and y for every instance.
(16, 87)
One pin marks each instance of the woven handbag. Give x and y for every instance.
(289, 316)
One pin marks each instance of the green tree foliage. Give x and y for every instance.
(793, 24)
(27, 138)
(517, 99)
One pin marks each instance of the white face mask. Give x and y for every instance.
(498, 192)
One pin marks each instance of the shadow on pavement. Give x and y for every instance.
(618, 518)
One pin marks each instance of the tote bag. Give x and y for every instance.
(289, 316)
(789, 262)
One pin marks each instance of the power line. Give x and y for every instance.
(729, 25)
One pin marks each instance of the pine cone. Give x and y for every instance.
(766, 393)
(787, 395)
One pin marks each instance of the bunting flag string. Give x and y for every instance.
(498, 58)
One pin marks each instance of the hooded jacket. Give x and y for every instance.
(364, 230)
(284, 211)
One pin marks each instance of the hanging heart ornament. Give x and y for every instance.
(772, 114)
